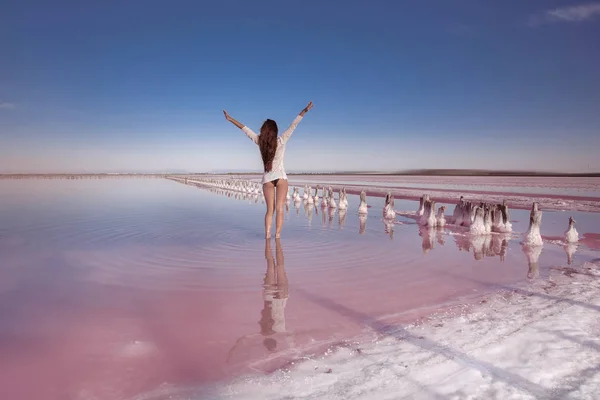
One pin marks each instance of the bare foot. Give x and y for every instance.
(268, 236)
(277, 235)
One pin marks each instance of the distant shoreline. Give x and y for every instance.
(430, 172)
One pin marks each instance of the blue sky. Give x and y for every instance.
(140, 85)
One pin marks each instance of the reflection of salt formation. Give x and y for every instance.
(570, 249)
(362, 208)
(331, 214)
(481, 245)
(533, 255)
(462, 242)
(441, 238)
(388, 227)
(484, 245)
(533, 236)
(341, 218)
(571, 234)
(500, 245)
(388, 208)
(308, 209)
(428, 235)
(362, 220)
(297, 206)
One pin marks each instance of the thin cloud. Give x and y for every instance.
(579, 13)
(7, 106)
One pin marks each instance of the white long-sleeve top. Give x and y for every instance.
(278, 170)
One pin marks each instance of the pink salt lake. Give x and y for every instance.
(111, 288)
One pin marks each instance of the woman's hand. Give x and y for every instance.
(233, 121)
(307, 108)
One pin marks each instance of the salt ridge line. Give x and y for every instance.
(515, 200)
(487, 237)
(482, 219)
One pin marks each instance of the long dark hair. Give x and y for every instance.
(267, 142)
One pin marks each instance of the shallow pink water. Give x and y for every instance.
(111, 288)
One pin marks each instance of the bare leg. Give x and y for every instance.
(281, 192)
(269, 192)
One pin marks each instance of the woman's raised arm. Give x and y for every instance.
(288, 132)
(249, 132)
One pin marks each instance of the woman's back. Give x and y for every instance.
(277, 169)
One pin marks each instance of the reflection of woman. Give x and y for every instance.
(275, 295)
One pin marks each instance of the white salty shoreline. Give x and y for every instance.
(538, 341)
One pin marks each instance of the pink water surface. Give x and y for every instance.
(113, 288)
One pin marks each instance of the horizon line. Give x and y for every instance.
(432, 171)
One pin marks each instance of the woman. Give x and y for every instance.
(272, 150)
